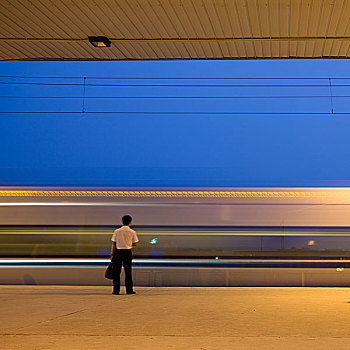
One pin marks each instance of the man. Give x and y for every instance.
(123, 239)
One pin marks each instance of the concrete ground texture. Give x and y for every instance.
(57, 317)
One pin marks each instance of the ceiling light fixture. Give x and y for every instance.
(99, 41)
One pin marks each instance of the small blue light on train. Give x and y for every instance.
(154, 241)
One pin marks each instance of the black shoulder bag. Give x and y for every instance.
(110, 271)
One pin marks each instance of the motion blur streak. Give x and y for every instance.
(180, 242)
(159, 231)
(214, 223)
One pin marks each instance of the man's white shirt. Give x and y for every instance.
(124, 237)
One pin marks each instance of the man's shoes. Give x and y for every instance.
(131, 292)
(115, 293)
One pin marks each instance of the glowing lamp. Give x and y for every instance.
(99, 41)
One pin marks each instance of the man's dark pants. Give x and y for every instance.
(123, 257)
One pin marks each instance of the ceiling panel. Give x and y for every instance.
(343, 49)
(169, 29)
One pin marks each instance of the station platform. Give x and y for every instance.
(89, 317)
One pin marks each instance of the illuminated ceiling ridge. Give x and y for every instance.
(170, 194)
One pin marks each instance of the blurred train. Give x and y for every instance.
(177, 223)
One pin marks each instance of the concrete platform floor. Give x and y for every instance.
(56, 317)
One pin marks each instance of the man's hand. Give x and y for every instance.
(114, 247)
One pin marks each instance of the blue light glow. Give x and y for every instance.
(153, 241)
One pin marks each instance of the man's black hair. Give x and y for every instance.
(126, 219)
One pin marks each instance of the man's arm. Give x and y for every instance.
(134, 239)
(113, 249)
